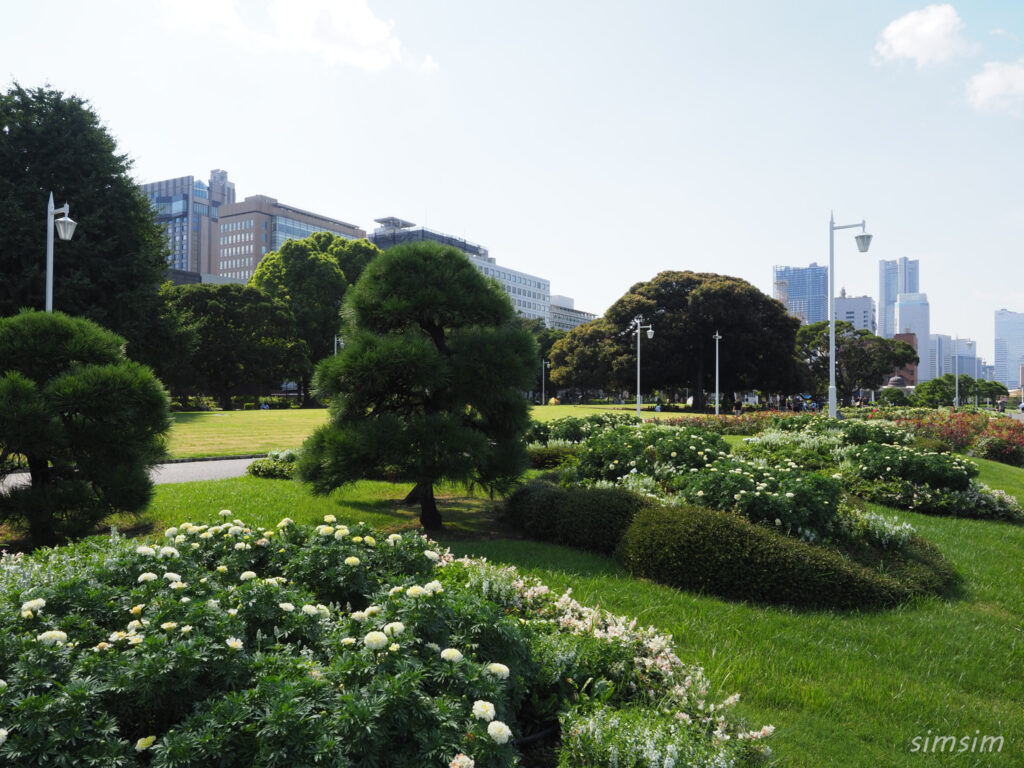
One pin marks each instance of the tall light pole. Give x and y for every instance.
(638, 322)
(717, 337)
(863, 243)
(544, 364)
(65, 229)
(956, 375)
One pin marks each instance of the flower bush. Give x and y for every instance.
(237, 650)
(639, 448)
(1002, 440)
(874, 461)
(955, 430)
(278, 465)
(575, 429)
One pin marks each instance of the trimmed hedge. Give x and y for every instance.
(586, 518)
(722, 554)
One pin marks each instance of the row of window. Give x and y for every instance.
(234, 263)
(512, 277)
(239, 224)
(238, 250)
(239, 238)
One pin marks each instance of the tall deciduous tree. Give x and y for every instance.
(581, 360)
(429, 385)
(685, 310)
(863, 360)
(307, 279)
(111, 269)
(88, 423)
(243, 341)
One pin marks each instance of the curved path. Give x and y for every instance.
(175, 472)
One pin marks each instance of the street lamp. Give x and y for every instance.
(863, 243)
(543, 365)
(717, 337)
(65, 229)
(638, 321)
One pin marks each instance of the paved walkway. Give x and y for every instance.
(176, 472)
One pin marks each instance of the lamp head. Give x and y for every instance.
(863, 242)
(65, 227)
(650, 333)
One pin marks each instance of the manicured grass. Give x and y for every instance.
(236, 433)
(843, 689)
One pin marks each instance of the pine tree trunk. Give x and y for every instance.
(430, 518)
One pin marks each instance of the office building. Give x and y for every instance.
(530, 295)
(188, 210)
(803, 291)
(248, 230)
(913, 316)
(857, 310)
(941, 351)
(1009, 333)
(564, 315)
(907, 375)
(894, 277)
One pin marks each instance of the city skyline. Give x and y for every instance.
(593, 144)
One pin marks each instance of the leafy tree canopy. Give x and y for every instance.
(429, 384)
(686, 309)
(582, 358)
(863, 360)
(111, 269)
(243, 342)
(87, 422)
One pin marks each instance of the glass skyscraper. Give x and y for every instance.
(1009, 347)
(895, 277)
(803, 291)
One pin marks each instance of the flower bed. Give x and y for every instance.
(226, 646)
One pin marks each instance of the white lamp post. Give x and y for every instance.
(717, 337)
(956, 374)
(544, 364)
(863, 243)
(65, 229)
(638, 322)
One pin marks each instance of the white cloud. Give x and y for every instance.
(998, 87)
(929, 36)
(337, 32)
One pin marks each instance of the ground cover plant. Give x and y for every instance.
(228, 645)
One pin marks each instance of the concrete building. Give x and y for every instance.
(530, 295)
(940, 350)
(908, 373)
(894, 277)
(564, 315)
(858, 310)
(953, 355)
(1009, 333)
(803, 291)
(248, 230)
(913, 316)
(188, 210)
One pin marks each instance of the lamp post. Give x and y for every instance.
(65, 229)
(638, 321)
(863, 243)
(956, 374)
(544, 364)
(717, 337)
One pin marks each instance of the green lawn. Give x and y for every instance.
(843, 689)
(235, 433)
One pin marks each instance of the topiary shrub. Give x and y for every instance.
(587, 518)
(88, 422)
(278, 465)
(552, 455)
(725, 555)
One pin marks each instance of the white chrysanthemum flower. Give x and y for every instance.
(246, 575)
(148, 551)
(451, 654)
(462, 760)
(323, 610)
(393, 539)
(372, 610)
(352, 561)
(226, 513)
(498, 670)
(100, 647)
(357, 539)
(234, 643)
(243, 545)
(483, 710)
(375, 640)
(340, 532)
(325, 530)
(415, 591)
(286, 607)
(172, 576)
(115, 636)
(348, 641)
(169, 552)
(394, 629)
(144, 577)
(310, 610)
(432, 555)
(177, 585)
(498, 731)
(53, 637)
(370, 541)
(167, 626)
(186, 629)
(433, 587)
(3, 684)
(395, 590)
(359, 615)
(145, 743)
(34, 605)
(222, 569)
(232, 611)
(171, 532)
(285, 523)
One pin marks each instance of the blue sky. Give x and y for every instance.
(593, 143)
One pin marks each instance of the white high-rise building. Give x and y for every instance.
(895, 276)
(858, 310)
(913, 316)
(1009, 347)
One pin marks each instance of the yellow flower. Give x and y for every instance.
(145, 743)
(137, 609)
